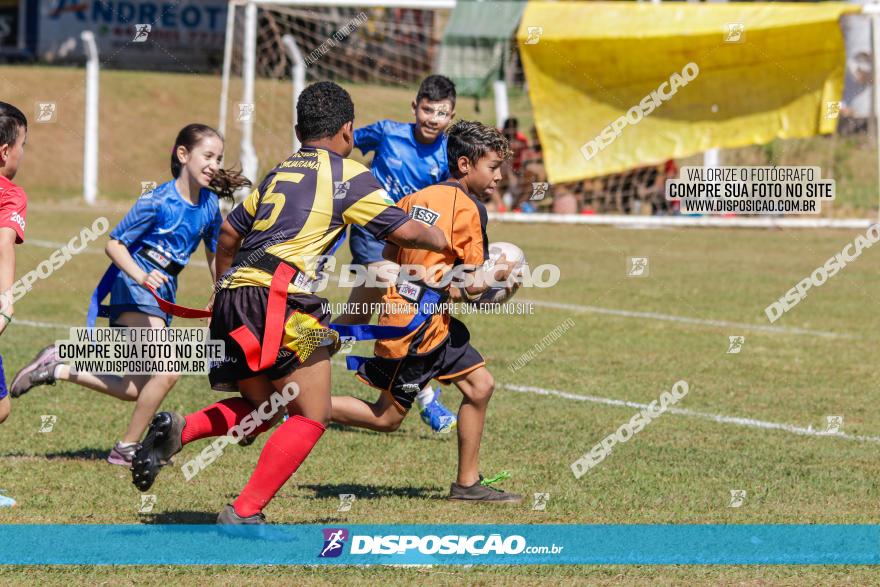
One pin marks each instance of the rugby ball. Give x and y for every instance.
(515, 255)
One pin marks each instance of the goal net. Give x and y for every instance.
(379, 53)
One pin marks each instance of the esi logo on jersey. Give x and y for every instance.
(334, 542)
(424, 215)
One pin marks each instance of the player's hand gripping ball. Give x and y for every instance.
(500, 294)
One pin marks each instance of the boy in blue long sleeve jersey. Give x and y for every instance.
(408, 157)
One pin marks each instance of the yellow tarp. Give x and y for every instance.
(588, 63)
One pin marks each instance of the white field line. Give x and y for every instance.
(91, 250)
(685, 319)
(35, 324)
(586, 309)
(721, 419)
(621, 220)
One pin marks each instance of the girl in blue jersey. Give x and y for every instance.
(151, 246)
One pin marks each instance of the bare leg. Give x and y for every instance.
(147, 391)
(477, 387)
(313, 379)
(5, 408)
(382, 416)
(125, 388)
(256, 390)
(151, 396)
(153, 390)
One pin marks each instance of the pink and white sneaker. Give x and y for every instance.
(40, 371)
(122, 454)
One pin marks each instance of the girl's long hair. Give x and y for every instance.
(226, 181)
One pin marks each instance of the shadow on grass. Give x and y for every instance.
(420, 433)
(324, 521)
(372, 491)
(353, 429)
(180, 517)
(86, 454)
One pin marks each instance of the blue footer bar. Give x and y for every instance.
(31, 544)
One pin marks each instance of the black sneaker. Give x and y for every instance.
(40, 371)
(228, 516)
(482, 491)
(163, 440)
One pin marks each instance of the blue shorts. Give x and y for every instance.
(3, 390)
(129, 296)
(365, 248)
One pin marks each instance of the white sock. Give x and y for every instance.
(425, 396)
(125, 444)
(61, 371)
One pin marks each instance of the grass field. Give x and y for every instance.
(678, 470)
(631, 339)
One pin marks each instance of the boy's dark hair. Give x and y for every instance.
(511, 124)
(473, 140)
(225, 181)
(436, 88)
(322, 109)
(11, 120)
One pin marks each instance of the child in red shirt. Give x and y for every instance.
(13, 212)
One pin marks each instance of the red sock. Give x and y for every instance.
(285, 450)
(217, 419)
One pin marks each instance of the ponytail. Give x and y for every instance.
(226, 181)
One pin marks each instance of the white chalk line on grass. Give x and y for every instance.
(682, 221)
(686, 320)
(735, 420)
(36, 324)
(91, 250)
(593, 309)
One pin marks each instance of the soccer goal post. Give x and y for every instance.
(383, 42)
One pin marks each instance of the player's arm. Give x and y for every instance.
(118, 253)
(390, 252)
(413, 234)
(369, 137)
(231, 232)
(212, 267)
(228, 244)
(7, 273)
(482, 279)
(136, 224)
(369, 206)
(210, 241)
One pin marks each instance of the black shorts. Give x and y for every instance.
(305, 329)
(404, 378)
